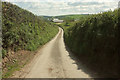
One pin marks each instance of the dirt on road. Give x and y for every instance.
(52, 61)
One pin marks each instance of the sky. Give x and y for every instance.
(65, 7)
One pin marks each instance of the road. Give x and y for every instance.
(54, 61)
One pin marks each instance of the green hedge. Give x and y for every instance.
(96, 41)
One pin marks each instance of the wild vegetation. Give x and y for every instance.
(23, 30)
(22, 34)
(96, 42)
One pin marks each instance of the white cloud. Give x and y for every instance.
(61, 0)
(63, 7)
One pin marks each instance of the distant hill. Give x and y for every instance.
(74, 16)
(65, 17)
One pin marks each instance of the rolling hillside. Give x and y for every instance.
(72, 17)
(66, 17)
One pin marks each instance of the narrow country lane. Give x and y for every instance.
(54, 61)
